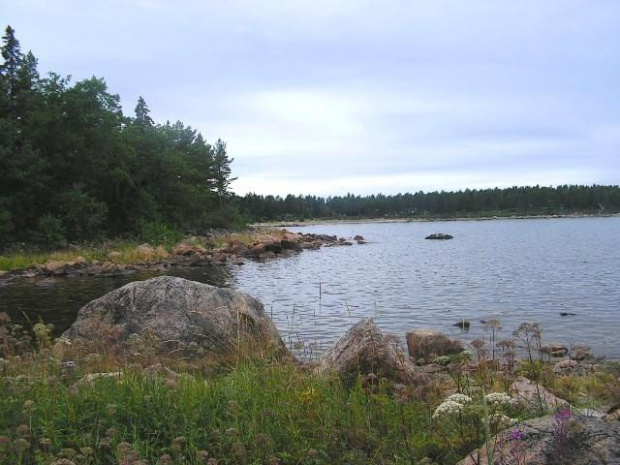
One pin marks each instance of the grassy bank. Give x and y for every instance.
(163, 410)
(126, 251)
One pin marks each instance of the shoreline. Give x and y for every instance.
(232, 249)
(332, 221)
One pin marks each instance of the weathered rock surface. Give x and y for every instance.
(364, 350)
(554, 349)
(569, 367)
(534, 395)
(581, 441)
(428, 344)
(439, 236)
(179, 312)
(579, 352)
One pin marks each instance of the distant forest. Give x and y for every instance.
(75, 168)
(486, 202)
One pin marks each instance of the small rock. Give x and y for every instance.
(220, 257)
(187, 250)
(579, 352)
(463, 324)
(439, 236)
(554, 349)
(269, 255)
(114, 257)
(78, 263)
(358, 238)
(428, 344)
(56, 267)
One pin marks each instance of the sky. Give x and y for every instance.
(328, 97)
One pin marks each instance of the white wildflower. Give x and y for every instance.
(498, 398)
(460, 398)
(501, 421)
(448, 407)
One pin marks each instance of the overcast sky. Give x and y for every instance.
(333, 96)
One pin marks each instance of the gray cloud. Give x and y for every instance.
(328, 97)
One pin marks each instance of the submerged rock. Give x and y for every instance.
(179, 313)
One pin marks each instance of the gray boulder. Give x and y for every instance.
(555, 439)
(364, 350)
(427, 344)
(180, 313)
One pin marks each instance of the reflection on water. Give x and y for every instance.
(515, 270)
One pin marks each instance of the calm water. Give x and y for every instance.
(515, 270)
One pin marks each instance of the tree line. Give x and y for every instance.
(530, 200)
(75, 168)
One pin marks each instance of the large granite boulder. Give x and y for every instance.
(365, 350)
(180, 313)
(563, 438)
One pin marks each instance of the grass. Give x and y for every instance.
(127, 249)
(158, 409)
(21, 260)
(255, 413)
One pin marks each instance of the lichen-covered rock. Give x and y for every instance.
(179, 313)
(365, 350)
(555, 439)
(427, 344)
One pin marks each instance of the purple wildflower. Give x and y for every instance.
(516, 435)
(563, 415)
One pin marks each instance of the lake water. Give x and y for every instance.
(514, 270)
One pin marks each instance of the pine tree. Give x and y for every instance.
(221, 170)
(142, 113)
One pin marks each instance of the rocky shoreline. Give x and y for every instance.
(261, 246)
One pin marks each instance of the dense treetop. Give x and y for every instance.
(74, 167)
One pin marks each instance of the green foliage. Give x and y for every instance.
(51, 232)
(157, 232)
(74, 168)
(84, 217)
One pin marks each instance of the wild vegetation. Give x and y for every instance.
(76, 168)
(112, 403)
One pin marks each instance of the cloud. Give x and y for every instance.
(328, 97)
